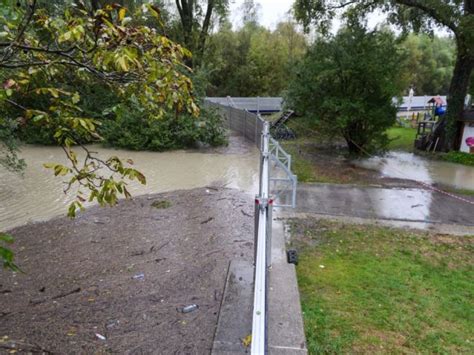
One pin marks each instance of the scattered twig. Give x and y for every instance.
(61, 295)
(31, 348)
(245, 213)
(162, 245)
(207, 220)
(213, 252)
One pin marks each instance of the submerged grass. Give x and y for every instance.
(369, 289)
(459, 157)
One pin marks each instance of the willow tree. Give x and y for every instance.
(38, 47)
(417, 15)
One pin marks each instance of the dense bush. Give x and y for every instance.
(128, 126)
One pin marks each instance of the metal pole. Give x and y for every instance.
(269, 232)
(255, 239)
(295, 183)
(260, 284)
(245, 123)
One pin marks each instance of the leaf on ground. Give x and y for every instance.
(247, 340)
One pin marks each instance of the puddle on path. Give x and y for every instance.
(38, 195)
(410, 166)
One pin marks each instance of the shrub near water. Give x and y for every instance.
(460, 158)
(129, 128)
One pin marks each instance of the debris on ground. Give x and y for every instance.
(163, 204)
(189, 309)
(140, 276)
(183, 262)
(101, 337)
(247, 341)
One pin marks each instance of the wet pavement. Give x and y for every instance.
(401, 204)
(409, 166)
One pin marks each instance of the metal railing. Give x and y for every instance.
(255, 129)
(263, 206)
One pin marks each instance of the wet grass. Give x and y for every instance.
(402, 138)
(459, 158)
(303, 166)
(367, 289)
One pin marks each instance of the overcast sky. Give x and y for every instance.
(274, 11)
(271, 12)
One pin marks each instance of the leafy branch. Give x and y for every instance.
(39, 50)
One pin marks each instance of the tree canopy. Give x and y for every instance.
(418, 15)
(346, 84)
(38, 50)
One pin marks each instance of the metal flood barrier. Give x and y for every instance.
(272, 155)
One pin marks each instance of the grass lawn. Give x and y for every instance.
(403, 138)
(368, 289)
(302, 165)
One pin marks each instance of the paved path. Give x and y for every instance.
(402, 204)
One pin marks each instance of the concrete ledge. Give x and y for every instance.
(235, 316)
(285, 322)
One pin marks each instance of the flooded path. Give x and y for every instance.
(38, 195)
(399, 204)
(409, 166)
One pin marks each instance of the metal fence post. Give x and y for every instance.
(245, 123)
(255, 239)
(269, 232)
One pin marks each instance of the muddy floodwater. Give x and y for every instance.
(38, 195)
(409, 166)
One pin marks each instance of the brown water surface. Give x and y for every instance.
(38, 195)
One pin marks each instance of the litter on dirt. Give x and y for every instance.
(140, 276)
(101, 337)
(190, 308)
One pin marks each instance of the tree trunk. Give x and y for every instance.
(204, 32)
(186, 14)
(457, 93)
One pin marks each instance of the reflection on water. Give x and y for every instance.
(410, 166)
(38, 194)
(401, 204)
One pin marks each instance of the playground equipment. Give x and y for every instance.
(430, 133)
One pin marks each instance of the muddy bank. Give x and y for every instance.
(122, 273)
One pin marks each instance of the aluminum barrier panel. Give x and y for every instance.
(246, 123)
(273, 161)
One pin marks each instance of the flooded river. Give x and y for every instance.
(38, 195)
(409, 166)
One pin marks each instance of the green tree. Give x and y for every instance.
(37, 51)
(418, 15)
(346, 84)
(430, 63)
(253, 61)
